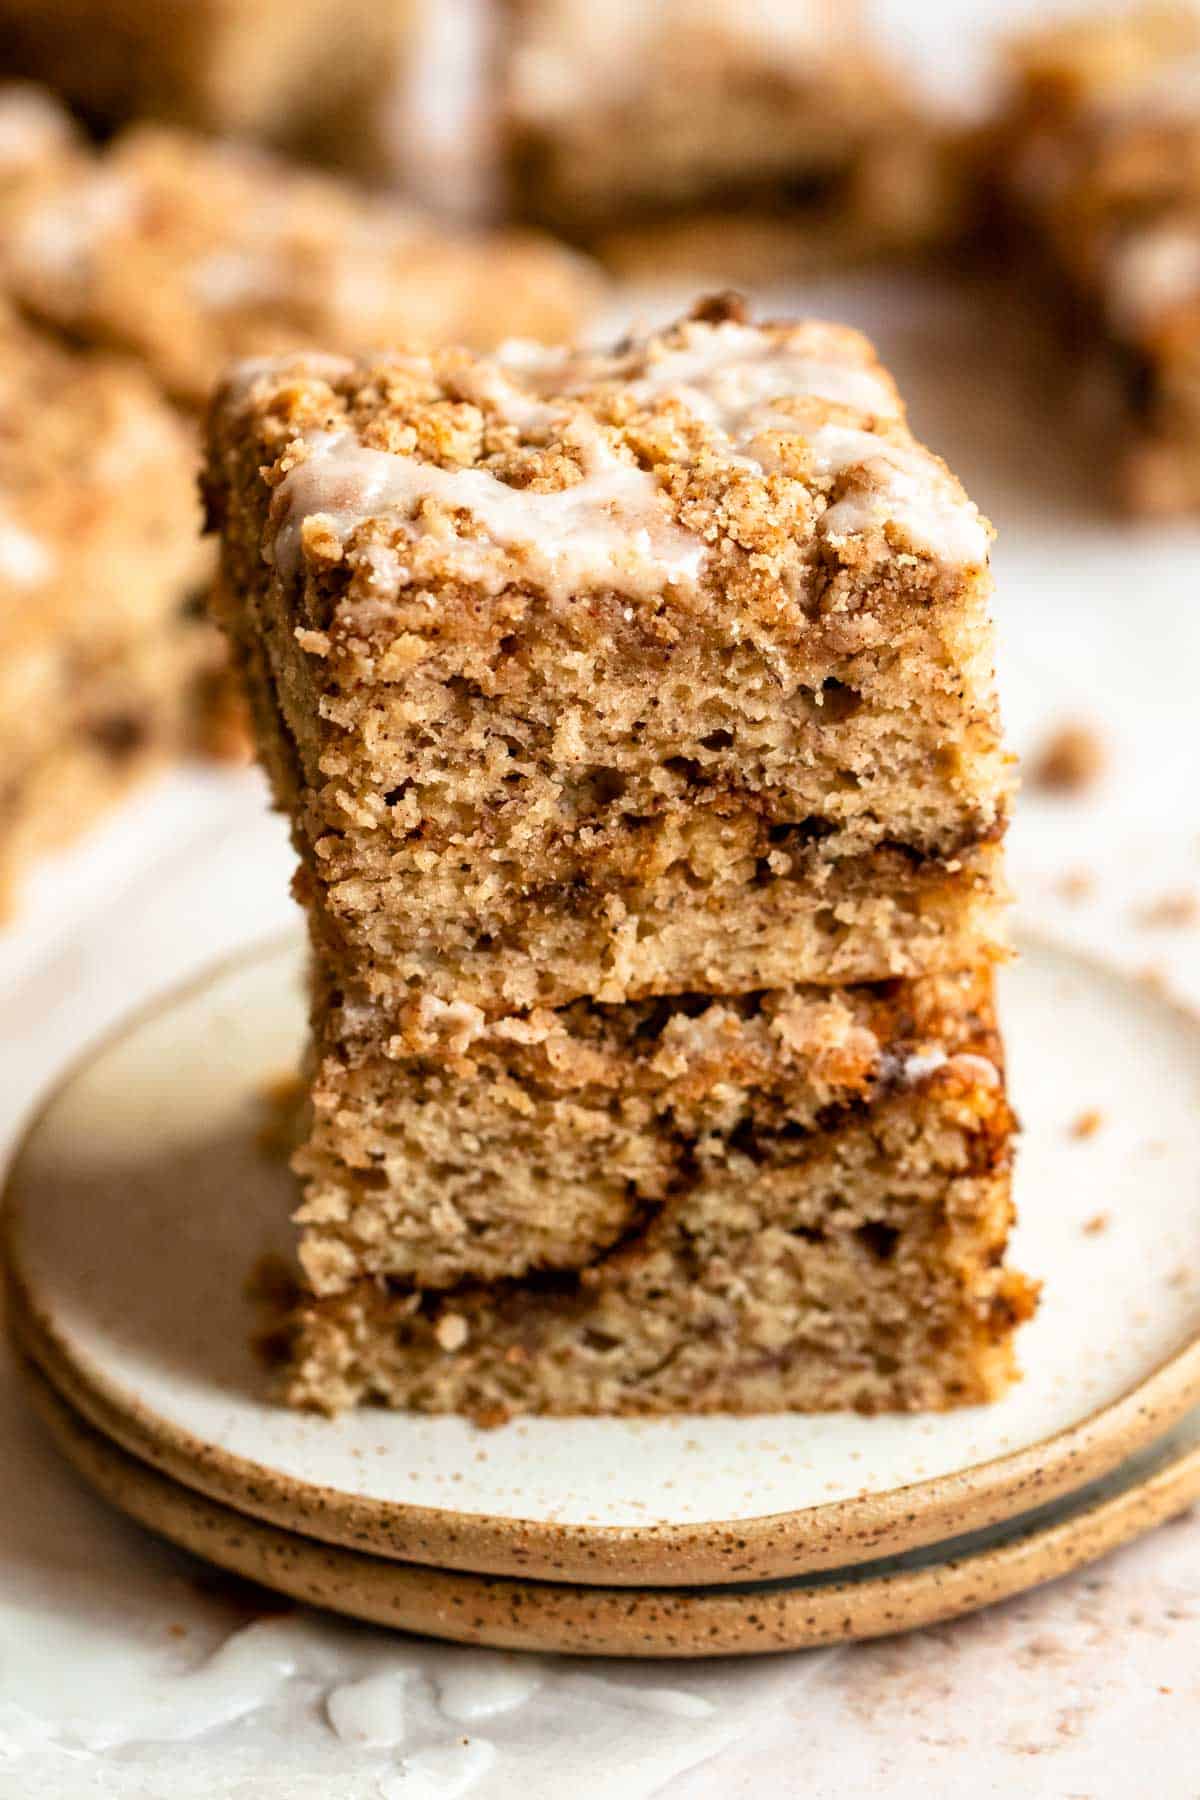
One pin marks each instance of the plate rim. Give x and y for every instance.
(586, 1619)
(768, 1546)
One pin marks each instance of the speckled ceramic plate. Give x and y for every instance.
(870, 1599)
(141, 1200)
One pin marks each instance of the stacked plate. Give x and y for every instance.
(144, 1199)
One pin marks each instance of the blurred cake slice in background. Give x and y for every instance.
(755, 136)
(287, 72)
(36, 134)
(1098, 166)
(106, 659)
(187, 252)
(180, 252)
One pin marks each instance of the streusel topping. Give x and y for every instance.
(623, 472)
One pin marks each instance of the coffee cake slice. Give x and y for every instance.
(1099, 164)
(610, 675)
(790, 1200)
(716, 136)
(282, 71)
(187, 252)
(104, 652)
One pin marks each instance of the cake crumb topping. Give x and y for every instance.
(623, 472)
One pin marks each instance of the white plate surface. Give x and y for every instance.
(153, 1203)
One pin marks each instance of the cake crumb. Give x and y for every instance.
(1088, 1123)
(1071, 760)
(451, 1331)
(1076, 884)
(490, 1418)
(1097, 1224)
(1170, 910)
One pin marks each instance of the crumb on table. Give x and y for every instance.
(1070, 761)
(1088, 1123)
(1169, 911)
(1076, 884)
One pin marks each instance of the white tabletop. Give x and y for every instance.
(126, 1670)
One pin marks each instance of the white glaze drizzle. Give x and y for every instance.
(904, 486)
(282, 232)
(738, 378)
(25, 560)
(265, 254)
(725, 372)
(32, 127)
(1148, 273)
(611, 529)
(60, 235)
(919, 1065)
(317, 365)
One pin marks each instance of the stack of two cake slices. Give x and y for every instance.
(634, 713)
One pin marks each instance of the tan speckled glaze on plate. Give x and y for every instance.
(138, 1204)
(584, 1619)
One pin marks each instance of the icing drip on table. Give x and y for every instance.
(446, 1772)
(372, 1712)
(478, 1689)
